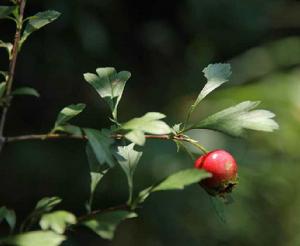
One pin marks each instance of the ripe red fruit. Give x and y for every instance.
(223, 168)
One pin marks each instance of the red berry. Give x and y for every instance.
(223, 168)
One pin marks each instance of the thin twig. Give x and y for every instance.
(12, 64)
(64, 136)
(43, 137)
(100, 211)
(115, 136)
(196, 144)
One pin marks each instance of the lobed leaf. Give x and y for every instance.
(128, 158)
(109, 85)
(100, 143)
(57, 221)
(234, 120)
(34, 238)
(149, 123)
(105, 224)
(38, 21)
(216, 75)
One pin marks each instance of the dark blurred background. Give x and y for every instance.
(165, 44)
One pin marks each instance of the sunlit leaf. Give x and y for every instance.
(176, 128)
(128, 158)
(26, 91)
(234, 120)
(136, 136)
(46, 204)
(34, 238)
(43, 206)
(38, 21)
(109, 84)
(9, 216)
(95, 179)
(105, 224)
(149, 123)
(216, 75)
(68, 113)
(57, 221)
(176, 181)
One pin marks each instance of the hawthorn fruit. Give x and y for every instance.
(223, 168)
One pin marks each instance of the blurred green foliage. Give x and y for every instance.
(165, 44)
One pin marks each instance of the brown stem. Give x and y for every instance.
(42, 137)
(62, 136)
(179, 137)
(12, 64)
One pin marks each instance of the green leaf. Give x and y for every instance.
(219, 206)
(176, 128)
(100, 143)
(105, 224)
(136, 136)
(2, 89)
(9, 216)
(128, 158)
(95, 180)
(3, 74)
(35, 238)
(234, 120)
(46, 204)
(6, 11)
(68, 113)
(8, 47)
(176, 181)
(97, 172)
(149, 123)
(26, 91)
(57, 221)
(109, 84)
(96, 177)
(94, 164)
(38, 21)
(216, 75)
